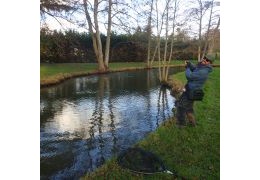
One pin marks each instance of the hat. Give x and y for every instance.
(209, 57)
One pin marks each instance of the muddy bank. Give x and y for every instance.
(175, 86)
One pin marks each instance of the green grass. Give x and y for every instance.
(48, 70)
(55, 73)
(193, 152)
(54, 69)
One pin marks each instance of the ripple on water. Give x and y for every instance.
(88, 120)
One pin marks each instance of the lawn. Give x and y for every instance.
(193, 152)
(56, 73)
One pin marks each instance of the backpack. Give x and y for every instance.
(195, 94)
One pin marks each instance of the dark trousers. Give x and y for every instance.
(184, 105)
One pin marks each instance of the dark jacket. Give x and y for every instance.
(197, 75)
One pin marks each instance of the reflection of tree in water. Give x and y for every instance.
(47, 112)
(162, 105)
(90, 141)
(100, 99)
(97, 143)
(52, 99)
(96, 101)
(150, 83)
(97, 125)
(112, 118)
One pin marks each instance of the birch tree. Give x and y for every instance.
(176, 3)
(163, 76)
(212, 42)
(209, 27)
(149, 29)
(159, 26)
(92, 19)
(109, 20)
(158, 46)
(166, 63)
(198, 13)
(97, 45)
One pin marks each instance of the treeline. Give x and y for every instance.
(72, 46)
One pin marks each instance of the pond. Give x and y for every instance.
(87, 120)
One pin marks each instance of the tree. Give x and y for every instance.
(54, 8)
(164, 76)
(57, 9)
(149, 32)
(166, 64)
(159, 26)
(208, 28)
(214, 37)
(198, 13)
(176, 3)
(97, 45)
(109, 20)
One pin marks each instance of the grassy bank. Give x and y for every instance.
(193, 152)
(56, 73)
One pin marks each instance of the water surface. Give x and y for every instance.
(87, 120)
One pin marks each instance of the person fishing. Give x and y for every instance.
(196, 76)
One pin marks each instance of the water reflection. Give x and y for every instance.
(85, 121)
(162, 105)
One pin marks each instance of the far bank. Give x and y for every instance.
(52, 74)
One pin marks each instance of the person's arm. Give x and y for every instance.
(192, 75)
(190, 65)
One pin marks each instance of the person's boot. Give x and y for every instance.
(180, 117)
(191, 119)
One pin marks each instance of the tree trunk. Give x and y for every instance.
(108, 34)
(95, 37)
(99, 44)
(172, 38)
(200, 29)
(159, 59)
(149, 36)
(166, 43)
(91, 28)
(211, 46)
(199, 48)
(158, 44)
(207, 35)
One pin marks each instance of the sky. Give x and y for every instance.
(191, 26)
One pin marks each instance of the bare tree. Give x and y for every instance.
(158, 40)
(198, 13)
(93, 21)
(149, 29)
(176, 3)
(166, 63)
(163, 76)
(58, 9)
(109, 20)
(158, 45)
(212, 44)
(97, 45)
(208, 28)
